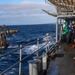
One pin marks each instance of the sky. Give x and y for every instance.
(25, 12)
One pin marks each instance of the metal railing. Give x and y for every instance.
(48, 51)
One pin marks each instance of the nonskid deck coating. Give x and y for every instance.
(64, 65)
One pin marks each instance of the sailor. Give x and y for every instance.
(70, 27)
(73, 36)
(64, 31)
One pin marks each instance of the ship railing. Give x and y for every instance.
(34, 62)
(22, 46)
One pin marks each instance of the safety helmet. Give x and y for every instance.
(70, 21)
(73, 22)
(66, 23)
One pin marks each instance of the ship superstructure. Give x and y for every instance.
(65, 10)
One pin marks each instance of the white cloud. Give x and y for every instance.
(14, 12)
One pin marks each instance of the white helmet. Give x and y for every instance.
(64, 21)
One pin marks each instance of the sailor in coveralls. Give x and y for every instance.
(64, 32)
(70, 33)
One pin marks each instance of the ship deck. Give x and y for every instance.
(63, 65)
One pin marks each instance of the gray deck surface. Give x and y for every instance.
(64, 65)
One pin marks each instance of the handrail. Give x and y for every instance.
(54, 46)
(46, 44)
(21, 47)
(20, 61)
(34, 52)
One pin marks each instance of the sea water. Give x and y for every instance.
(28, 33)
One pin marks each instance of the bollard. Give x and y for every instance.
(33, 67)
(20, 65)
(44, 60)
(39, 58)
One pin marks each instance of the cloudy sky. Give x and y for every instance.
(16, 12)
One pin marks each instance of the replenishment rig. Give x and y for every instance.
(3, 36)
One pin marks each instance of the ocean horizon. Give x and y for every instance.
(27, 24)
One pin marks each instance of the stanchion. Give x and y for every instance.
(39, 58)
(37, 47)
(20, 65)
(33, 67)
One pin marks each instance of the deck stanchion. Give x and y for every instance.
(57, 30)
(20, 65)
(37, 47)
(60, 28)
(33, 67)
(40, 68)
(47, 41)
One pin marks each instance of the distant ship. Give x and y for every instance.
(3, 38)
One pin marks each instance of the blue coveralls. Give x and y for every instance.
(70, 33)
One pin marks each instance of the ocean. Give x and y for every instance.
(27, 34)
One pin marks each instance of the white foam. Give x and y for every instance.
(10, 73)
(14, 69)
(30, 49)
(12, 46)
(13, 35)
(3, 58)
